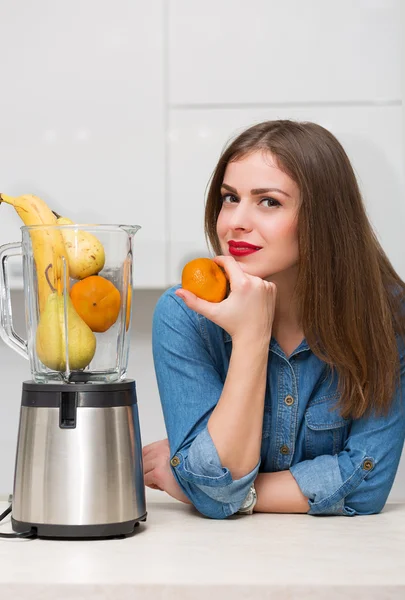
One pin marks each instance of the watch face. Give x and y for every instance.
(249, 500)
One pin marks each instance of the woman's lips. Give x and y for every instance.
(242, 251)
(241, 248)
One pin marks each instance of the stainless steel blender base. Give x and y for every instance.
(108, 530)
(79, 470)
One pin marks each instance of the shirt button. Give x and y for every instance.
(175, 461)
(368, 465)
(289, 400)
(284, 449)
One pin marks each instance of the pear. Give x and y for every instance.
(85, 252)
(51, 339)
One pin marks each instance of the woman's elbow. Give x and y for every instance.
(205, 504)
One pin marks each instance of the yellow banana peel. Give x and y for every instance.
(47, 243)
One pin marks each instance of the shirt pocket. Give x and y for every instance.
(325, 429)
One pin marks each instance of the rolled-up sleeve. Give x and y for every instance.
(358, 480)
(190, 386)
(206, 482)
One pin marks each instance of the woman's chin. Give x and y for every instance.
(253, 270)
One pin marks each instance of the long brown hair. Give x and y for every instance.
(352, 301)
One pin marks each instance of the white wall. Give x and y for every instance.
(119, 111)
(82, 123)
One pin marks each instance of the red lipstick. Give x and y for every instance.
(241, 248)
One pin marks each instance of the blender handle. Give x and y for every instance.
(7, 332)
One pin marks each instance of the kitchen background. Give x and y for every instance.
(116, 112)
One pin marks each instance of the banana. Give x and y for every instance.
(47, 243)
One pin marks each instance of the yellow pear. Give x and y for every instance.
(85, 252)
(51, 339)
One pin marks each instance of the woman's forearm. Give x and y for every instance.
(236, 423)
(279, 493)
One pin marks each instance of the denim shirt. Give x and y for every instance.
(343, 467)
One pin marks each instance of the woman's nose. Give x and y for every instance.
(241, 217)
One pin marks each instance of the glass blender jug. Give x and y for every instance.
(78, 470)
(78, 297)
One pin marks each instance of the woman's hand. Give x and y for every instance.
(157, 472)
(248, 311)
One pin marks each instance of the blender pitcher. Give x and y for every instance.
(78, 297)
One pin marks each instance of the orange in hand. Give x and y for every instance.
(204, 278)
(97, 301)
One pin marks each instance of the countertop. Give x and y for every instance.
(178, 554)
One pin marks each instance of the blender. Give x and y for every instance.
(78, 467)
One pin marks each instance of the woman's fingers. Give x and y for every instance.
(150, 481)
(207, 309)
(146, 450)
(154, 454)
(150, 472)
(159, 445)
(272, 288)
(149, 464)
(232, 269)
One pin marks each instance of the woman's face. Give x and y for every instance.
(257, 223)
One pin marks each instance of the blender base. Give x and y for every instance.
(106, 530)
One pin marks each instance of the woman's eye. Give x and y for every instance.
(270, 202)
(229, 198)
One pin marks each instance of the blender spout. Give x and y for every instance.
(130, 229)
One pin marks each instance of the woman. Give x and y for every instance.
(287, 395)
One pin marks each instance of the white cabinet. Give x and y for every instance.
(82, 117)
(290, 51)
(372, 137)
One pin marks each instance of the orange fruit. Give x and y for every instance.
(97, 301)
(205, 279)
(128, 286)
(129, 300)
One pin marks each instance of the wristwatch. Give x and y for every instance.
(249, 502)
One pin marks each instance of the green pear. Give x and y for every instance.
(85, 252)
(51, 339)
